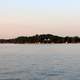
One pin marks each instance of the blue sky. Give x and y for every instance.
(47, 6)
(27, 17)
(39, 3)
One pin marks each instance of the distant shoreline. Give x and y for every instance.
(42, 39)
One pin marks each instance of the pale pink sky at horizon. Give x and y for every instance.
(21, 18)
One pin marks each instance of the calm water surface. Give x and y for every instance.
(40, 62)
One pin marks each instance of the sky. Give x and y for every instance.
(30, 17)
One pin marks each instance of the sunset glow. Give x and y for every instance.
(29, 17)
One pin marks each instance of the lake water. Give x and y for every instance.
(39, 61)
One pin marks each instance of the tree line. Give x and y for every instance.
(42, 38)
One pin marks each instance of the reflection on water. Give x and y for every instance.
(40, 62)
